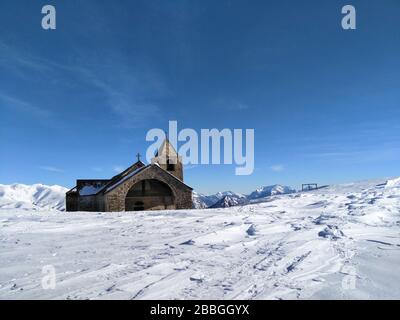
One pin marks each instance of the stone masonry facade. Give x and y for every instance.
(115, 199)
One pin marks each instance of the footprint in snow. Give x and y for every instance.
(189, 242)
(197, 278)
(296, 227)
(251, 231)
(321, 219)
(331, 232)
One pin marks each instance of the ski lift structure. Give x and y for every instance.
(309, 186)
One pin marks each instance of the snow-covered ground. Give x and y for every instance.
(339, 242)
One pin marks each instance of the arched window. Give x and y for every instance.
(149, 194)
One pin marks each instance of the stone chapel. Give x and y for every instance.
(156, 186)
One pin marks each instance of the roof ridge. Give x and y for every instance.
(154, 164)
(141, 169)
(116, 183)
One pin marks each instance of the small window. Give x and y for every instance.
(170, 166)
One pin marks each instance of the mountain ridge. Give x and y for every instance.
(32, 197)
(223, 199)
(44, 197)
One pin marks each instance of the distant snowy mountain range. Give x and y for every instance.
(32, 197)
(42, 197)
(229, 199)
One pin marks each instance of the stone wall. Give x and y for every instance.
(74, 202)
(87, 203)
(115, 199)
(71, 202)
(150, 203)
(175, 161)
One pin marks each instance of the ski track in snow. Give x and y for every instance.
(296, 246)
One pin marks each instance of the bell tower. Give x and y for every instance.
(168, 159)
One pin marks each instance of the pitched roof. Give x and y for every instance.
(129, 169)
(113, 180)
(133, 168)
(116, 183)
(73, 190)
(155, 164)
(166, 148)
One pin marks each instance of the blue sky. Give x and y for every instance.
(77, 102)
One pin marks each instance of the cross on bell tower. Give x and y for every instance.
(138, 156)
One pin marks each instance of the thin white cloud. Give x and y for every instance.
(19, 61)
(377, 153)
(129, 91)
(132, 114)
(230, 104)
(277, 168)
(118, 169)
(51, 169)
(22, 106)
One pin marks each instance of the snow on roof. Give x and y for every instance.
(125, 178)
(117, 183)
(74, 189)
(90, 190)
